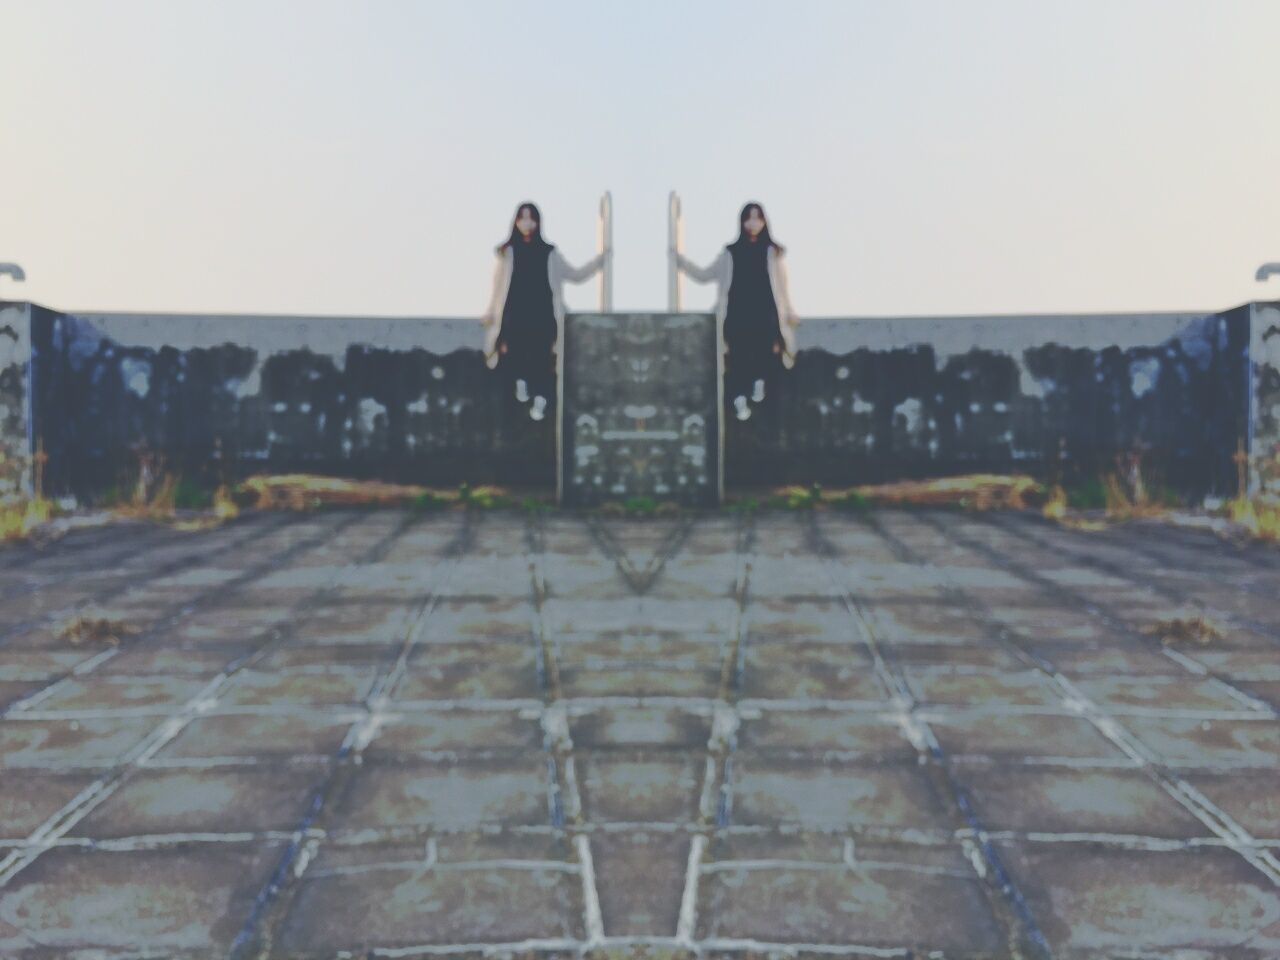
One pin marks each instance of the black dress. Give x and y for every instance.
(528, 321)
(751, 327)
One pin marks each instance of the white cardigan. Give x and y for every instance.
(721, 271)
(558, 271)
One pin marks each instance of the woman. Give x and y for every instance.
(526, 312)
(754, 308)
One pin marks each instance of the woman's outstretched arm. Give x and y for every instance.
(713, 272)
(491, 319)
(787, 318)
(787, 314)
(586, 271)
(490, 315)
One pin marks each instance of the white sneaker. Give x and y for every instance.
(522, 391)
(758, 393)
(740, 403)
(539, 405)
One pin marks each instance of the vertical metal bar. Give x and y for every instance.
(674, 241)
(720, 419)
(679, 249)
(560, 411)
(605, 242)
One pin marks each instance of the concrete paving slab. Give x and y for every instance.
(1169, 693)
(461, 795)
(107, 692)
(1251, 799)
(11, 691)
(401, 907)
(878, 908)
(772, 790)
(268, 688)
(641, 878)
(191, 901)
(203, 801)
(1076, 801)
(1099, 902)
(98, 742)
(819, 732)
(260, 735)
(638, 786)
(1211, 743)
(456, 731)
(626, 727)
(1026, 736)
(786, 670)
(29, 798)
(165, 658)
(941, 685)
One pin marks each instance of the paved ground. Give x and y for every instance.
(350, 733)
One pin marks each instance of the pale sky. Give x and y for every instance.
(262, 156)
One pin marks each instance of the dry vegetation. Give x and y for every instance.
(94, 628)
(1198, 630)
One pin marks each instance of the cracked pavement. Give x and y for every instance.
(891, 734)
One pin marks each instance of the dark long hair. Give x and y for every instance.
(744, 239)
(536, 239)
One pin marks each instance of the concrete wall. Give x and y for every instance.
(1264, 353)
(869, 399)
(15, 413)
(877, 399)
(641, 408)
(223, 396)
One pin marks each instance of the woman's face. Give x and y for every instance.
(525, 223)
(754, 222)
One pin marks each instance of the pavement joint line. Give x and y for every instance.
(1188, 663)
(92, 796)
(1191, 799)
(748, 709)
(836, 831)
(735, 944)
(831, 866)
(1154, 587)
(564, 804)
(361, 732)
(725, 720)
(52, 684)
(536, 945)
(455, 866)
(450, 756)
(578, 947)
(927, 746)
(553, 945)
(639, 580)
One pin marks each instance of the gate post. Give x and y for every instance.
(604, 241)
(675, 240)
